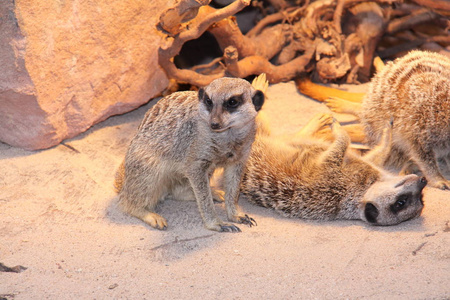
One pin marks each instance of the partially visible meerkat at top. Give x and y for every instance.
(413, 91)
(181, 141)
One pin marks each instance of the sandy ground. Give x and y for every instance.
(59, 218)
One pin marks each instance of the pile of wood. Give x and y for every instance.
(332, 40)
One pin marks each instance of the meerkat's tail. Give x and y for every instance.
(261, 83)
(120, 176)
(321, 93)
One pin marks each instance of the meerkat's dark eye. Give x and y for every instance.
(232, 103)
(400, 203)
(209, 103)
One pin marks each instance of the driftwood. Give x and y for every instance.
(333, 40)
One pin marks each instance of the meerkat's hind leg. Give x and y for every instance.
(410, 167)
(445, 162)
(140, 193)
(379, 154)
(343, 106)
(356, 133)
(146, 214)
(151, 218)
(334, 155)
(317, 127)
(427, 162)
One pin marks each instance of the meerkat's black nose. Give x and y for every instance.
(215, 126)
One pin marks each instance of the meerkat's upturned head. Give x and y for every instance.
(229, 102)
(392, 201)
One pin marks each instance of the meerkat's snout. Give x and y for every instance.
(216, 122)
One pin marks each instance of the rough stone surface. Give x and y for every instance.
(66, 65)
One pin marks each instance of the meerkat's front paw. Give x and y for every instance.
(243, 219)
(442, 184)
(223, 227)
(248, 221)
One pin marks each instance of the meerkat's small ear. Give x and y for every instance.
(371, 213)
(258, 100)
(201, 93)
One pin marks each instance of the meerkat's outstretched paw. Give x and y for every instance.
(343, 106)
(261, 83)
(318, 126)
(379, 154)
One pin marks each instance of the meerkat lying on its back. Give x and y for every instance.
(180, 142)
(414, 91)
(311, 179)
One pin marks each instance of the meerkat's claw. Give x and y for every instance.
(248, 221)
(443, 185)
(335, 125)
(229, 228)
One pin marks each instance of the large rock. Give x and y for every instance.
(66, 65)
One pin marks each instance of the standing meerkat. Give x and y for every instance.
(414, 91)
(311, 179)
(179, 144)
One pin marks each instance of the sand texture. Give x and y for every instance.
(59, 219)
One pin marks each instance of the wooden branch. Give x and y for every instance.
(254, 65)
(290, 13)
(410, 45)
(171, 19)
(172, 45)
(435, 4)
(419, 16)
(227, 33)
